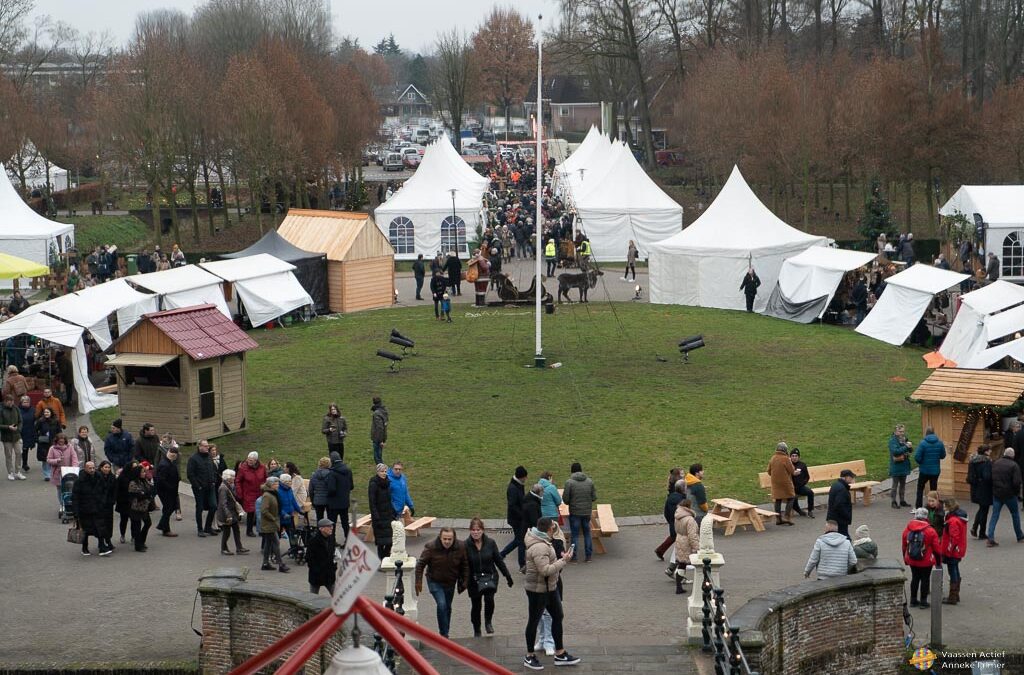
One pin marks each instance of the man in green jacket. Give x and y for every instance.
(580, 495)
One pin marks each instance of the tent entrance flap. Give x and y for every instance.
(782, 307)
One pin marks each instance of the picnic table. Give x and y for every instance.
(732, 513)
(602, 523)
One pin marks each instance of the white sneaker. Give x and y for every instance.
(10, 476)
(550, 651)
(20, 476)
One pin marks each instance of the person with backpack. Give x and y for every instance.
(1006, 482)
(921, 551)
(930, 452)
(953, 546)
(979, 477)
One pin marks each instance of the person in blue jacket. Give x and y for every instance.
(550, 499)
(400, 497)
(930, 452)
(288, 506)
(899, 464)
(118, 445)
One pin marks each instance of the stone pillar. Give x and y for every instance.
(695, 605)
(215, 590)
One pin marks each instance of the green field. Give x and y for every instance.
(465, 411)
(128, 232)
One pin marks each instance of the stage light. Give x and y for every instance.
(390, 356)
(396, 334)
(403, 343)
(638, 292)
(687, 345)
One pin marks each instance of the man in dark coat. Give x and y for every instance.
(86, 502)
(531, 505)
(166, 482)
(840, 505)
(202, 475)
(147, 445)
(800, 478)
(339, 492)
(514, 496)
(320, 557)
(859, 297)
(749, 287)
(378, 429)
(382, 511)
(1006, 485)
(419, 272)
(118, 445)
(1017, 443)
(454, 268)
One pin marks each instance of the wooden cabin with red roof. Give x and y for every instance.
(184, 371)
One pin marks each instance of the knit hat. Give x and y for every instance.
(863, 532)
(324, 522)
(795, 451)
(382, 467)
(921, 514)
(335, 457)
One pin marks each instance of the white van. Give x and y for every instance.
(421, 136)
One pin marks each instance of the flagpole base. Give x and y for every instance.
(539, 361)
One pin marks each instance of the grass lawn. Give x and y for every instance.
(466, 411)
(128, 232)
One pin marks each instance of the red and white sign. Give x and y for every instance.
(356, 568)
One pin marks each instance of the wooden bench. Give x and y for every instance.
(830, 472)
(361, 523)
(732, 513)
(108, 389)
(602, 524)
(412, 527)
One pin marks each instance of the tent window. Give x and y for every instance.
(453, 234)
(207, 401)
(1013, 255)
(401, 234)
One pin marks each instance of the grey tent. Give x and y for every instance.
(310, 268)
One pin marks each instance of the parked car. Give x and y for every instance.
(393, 162)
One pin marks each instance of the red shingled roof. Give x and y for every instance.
(202, 331)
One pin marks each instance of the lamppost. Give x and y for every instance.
(538, 359)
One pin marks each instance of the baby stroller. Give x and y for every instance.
(68, 477)
(299, 536)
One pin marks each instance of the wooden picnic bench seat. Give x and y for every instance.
(830, 472)
(733, 513)
(364, 523)
(602, 523)
(413, 527)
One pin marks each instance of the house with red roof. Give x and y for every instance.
(183, 370)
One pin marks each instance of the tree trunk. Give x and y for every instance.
(908, 189)
(846, 194)
(194, 207)
(209, 202)
(807, 191)
(154, 206)
(238, 194)
(638, 72)
(224, 194)
(613, 129)
(173, 202)
(255, 199)
(929, 199)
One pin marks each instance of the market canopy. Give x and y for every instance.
(998, 205)
(265, 285)
(906, 296)
(183, 287)
(13, 267)
(704, 264)
(812, 277)
(310, 267)
(967, 336)
(26, 234)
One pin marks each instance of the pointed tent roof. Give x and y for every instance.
(737, 224)
(18, 220)
(428, 189)
(593, 143)
(625, 186)
(997, 204)
(277, 246)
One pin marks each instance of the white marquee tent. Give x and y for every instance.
(904, 301)
(978, 321)
(264, 284)
(1001, 207)
(590, 156)
(704, 264)
(813, 277)
(178, 287)
(622, 203)
(25, 233)
(36, 172)
(419, 217)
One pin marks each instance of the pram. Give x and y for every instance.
(68, 477)
(298, 536)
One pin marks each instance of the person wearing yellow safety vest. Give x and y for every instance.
(551, 256)
(584, 253)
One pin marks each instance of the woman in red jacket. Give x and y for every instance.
(953, 547)
(921, 552)
(249, 479)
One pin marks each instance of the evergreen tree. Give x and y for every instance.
(419, 75)
(387, 47)
(877, 218)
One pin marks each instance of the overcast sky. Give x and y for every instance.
(415, 23)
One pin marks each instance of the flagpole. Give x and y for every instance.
(538, 359)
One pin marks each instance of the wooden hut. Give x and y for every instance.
(184, 371)
(360, 259)
(965, 408)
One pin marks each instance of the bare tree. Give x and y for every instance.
(453, 76)
(503, 48)
(12, 28)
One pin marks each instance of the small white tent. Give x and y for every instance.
(968, 336)
(904, 300)
(36, 172)
(812, 277)
(423, 217)
(25, 233)
(623, 204)
(1001, 207)
(181, 287)
(704, 264)
(587, 161)
(265, 285)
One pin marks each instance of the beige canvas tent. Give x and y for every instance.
(360, 260)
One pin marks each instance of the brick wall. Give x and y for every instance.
(241, 618)
(844, 625)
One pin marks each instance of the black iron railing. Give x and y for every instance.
(717, 636)
(394, 600)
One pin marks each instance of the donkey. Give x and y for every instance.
(583, 281)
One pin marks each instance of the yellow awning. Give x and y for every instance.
(13, 267)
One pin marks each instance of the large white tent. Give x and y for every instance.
(969, 335)
(180, 287)
(25, 233)
(587, 161)
(811, 278)
(265, 285)
(37, 171)
(622, 203)
(419, 217)
(704, 264)
(1001, 207)
(904, 301)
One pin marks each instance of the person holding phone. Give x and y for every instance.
(334, 429)
(543, 568)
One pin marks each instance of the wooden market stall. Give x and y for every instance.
(184, 371)
(966, 408)
(360, 259)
